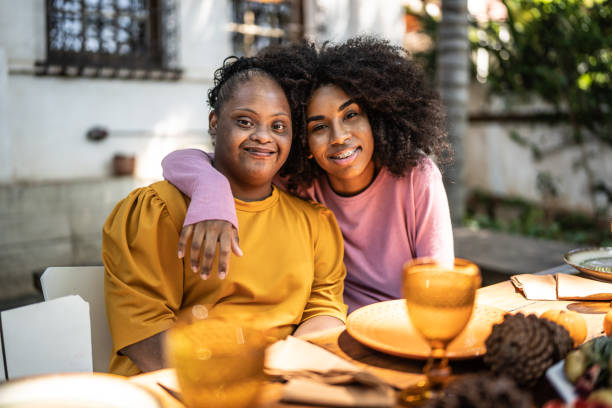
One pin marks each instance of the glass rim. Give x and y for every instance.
(465, 264)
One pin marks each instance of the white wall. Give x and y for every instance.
(22, 32)
(338, 20)
(204, 40)
(47, 117)
(5, 141)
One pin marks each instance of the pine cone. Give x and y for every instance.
(482, 391)
(561, 338)
(523, 347)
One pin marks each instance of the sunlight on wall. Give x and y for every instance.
(169, 134)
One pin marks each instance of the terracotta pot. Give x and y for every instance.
(123, 165)
(413, 24)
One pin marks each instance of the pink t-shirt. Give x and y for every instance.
(392, 221)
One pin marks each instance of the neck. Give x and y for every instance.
(251, 193)
(354, 185)
(246, 192)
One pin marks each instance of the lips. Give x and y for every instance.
(260, 151)
(345, 155)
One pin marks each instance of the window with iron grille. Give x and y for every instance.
(124, 38)
(258, 23)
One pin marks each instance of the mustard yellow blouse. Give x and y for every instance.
(292, 268)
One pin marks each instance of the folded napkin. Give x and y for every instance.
(536, 287)
(574, 287)
(318, 377)
(562, 287)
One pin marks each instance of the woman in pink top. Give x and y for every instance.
(367, 129)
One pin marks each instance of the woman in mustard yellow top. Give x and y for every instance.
(292, 274)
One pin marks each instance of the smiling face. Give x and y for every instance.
(340, 139)
(252, 133)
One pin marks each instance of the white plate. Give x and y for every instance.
(556, 376)
(83, 390)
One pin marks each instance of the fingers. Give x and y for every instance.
(205, 236)
(183, 239)
(224, 253)
(196, 245)
(208, 253)
(235, 246)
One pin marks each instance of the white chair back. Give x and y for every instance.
(47, 337)
(2, 371)
(88, 282)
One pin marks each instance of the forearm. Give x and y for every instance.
(191, 171)
(147, 354)
(317, 323)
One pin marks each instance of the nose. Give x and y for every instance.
(261, 134)
(340, 134)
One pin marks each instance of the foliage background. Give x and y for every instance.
(559, 52)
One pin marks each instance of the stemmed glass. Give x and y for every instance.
(440, 300)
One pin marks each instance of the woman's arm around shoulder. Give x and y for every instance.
(211, 216)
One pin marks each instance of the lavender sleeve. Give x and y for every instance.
(192, 172)
(434, 233)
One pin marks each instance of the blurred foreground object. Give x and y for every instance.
(218, 363)
(523, 347)
(482, 391)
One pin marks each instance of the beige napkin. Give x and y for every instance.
(318, 377)
(562, 287)
(575, 287)
(536, 287)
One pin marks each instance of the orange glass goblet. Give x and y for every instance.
(218, 363)
(440, 300)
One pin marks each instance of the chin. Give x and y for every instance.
(261, 175)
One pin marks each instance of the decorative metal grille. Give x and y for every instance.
(258, 23)
(125, 38)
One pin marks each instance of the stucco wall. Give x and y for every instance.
(5, 141)
(497, 164)
(338, 20)
(47, 117)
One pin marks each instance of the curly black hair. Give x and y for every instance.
(404, 110)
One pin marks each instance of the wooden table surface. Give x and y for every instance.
(402, 372)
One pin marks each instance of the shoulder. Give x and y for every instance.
(320, 218)
(426, 168)
(166, 192)
(422, 175)
(156, 199)
(302, 205)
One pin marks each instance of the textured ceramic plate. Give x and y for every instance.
(596, 262)
(386, 327)
(75, 390)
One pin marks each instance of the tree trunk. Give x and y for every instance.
(453, 82)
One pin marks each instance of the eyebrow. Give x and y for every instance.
(345, 104)
(340, 109)
(257, 113)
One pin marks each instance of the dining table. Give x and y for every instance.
(400, 372)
